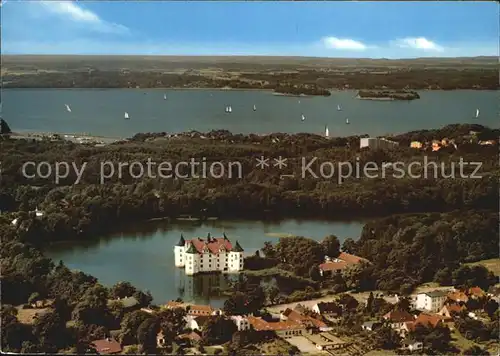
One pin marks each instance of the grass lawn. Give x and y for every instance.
(492, 264)
(27, 316)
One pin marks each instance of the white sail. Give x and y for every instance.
(327, 132)
(303, 117)
(347, 121)
(338, 108)
(299, 101)
(477, 113)
(254, 108)
(230, 109)
(164, 96)
(126, 115)
(68, 109)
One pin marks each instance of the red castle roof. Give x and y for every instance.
(213, 246)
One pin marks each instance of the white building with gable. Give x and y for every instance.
(208, 255)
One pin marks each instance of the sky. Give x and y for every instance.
(311, 29)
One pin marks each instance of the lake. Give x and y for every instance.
(143, 255)
(101, 112)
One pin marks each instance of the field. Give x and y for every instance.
(492, 264)
(299, 74)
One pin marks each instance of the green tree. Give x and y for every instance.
(123, 290)
(331, 246)
(146, 335)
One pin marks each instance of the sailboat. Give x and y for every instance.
(347, 121)
(254, 108)
(303, 118)
(327, 132)
(338, 108)
(477, 113)
(126, 117)
(229, 109)
(68, 109)
(164, 96)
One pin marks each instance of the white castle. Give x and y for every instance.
(215, 254)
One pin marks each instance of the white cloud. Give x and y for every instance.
(343, 44)
(73, 12)
(418, 43)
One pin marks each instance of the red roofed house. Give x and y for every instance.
(285, 329)
(448, 310)
(476, 292)
(336, 265)
(305, 320)
(209, 255)
(398, 318)
(107, 346)
(429, 320)
(193, 309)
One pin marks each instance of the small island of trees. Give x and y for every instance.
(388, 95)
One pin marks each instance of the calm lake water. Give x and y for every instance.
(144, 255)
(101, 112)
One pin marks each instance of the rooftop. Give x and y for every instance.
(399, 316)
(260, 324)
(107, 346)
(436, 293)
(213, 245)
(305, 320)
(341, 261)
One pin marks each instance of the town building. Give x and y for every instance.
(370, 325)
(449, 310)
(284, 329)
(209, 255)
(193, 309)
(339, 263)
(328, 310)
(411, 344)
(458, 297)
(241, 322)
(398, 318)
(197, 322)
(431, 301)
(326, 341)
(416, 144)
(307, 321)
(377, 143)
(107, 346)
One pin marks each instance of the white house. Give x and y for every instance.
(431, 301)
(241, 322)
(412, 345)
(197, 322)
(377, 143)
(209, 255)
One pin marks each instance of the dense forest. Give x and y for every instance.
(423, 230)
(417, 78)
(87, 208)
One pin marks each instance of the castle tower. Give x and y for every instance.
(236, 258)
(179, 252)
(192, 260)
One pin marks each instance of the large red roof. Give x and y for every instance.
(213, 246)
(341, 262)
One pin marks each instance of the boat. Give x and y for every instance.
(347, 121)
(126, 117)
(254, 108)
(68, 109)
(229, 109)
(327, 132)
(303, 117)
(338, 108)
(477, 113)
(164, 96)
